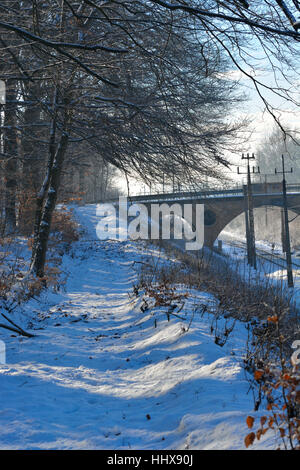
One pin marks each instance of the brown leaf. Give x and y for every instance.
(273, 319)
(258, 374)
(263, 419)
(249, 439)
(286, 377)
(250, 421)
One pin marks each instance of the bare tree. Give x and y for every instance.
(118, 79)
(257, 36)
(144, 85)
(10, 151)
(269, 153)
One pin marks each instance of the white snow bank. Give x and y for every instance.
(100, 375)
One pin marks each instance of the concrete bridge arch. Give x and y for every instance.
(219, 213)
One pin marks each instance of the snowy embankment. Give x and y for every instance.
(270, 270)
(100, 375)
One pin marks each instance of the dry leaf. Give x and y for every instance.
(250, 421)
(249, 439)
(273, 319)
(258, 374)
(263, 420)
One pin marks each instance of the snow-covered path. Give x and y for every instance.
(100, 375)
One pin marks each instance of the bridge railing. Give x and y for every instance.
(293, 188)
(259, 189)
(237, 191)
(187, 195)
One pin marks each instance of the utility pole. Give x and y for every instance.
(286, 225)
(247, 224)
(249, 216)
(283, 234)
(250, 211)
(266, 208)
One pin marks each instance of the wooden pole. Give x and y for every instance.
(251, 219)
(247, 224)
(287, 231)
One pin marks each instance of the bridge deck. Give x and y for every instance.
(215, 194)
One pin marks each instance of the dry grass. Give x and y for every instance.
(237, 297)
(272, 321)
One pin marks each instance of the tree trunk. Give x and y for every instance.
(41, 196)
(31, 154)
(10, 152)
(41, 243)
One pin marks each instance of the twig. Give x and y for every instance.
(19, 331)
(16, 328)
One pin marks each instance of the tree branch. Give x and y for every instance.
(232, 19)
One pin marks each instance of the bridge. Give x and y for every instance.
(222, 206)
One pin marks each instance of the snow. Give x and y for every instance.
(266, 270)
(101, 374)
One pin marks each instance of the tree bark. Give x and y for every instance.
(41, 196)
(10, 152)
(31, 154)
(42, 237)
(48, 196)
